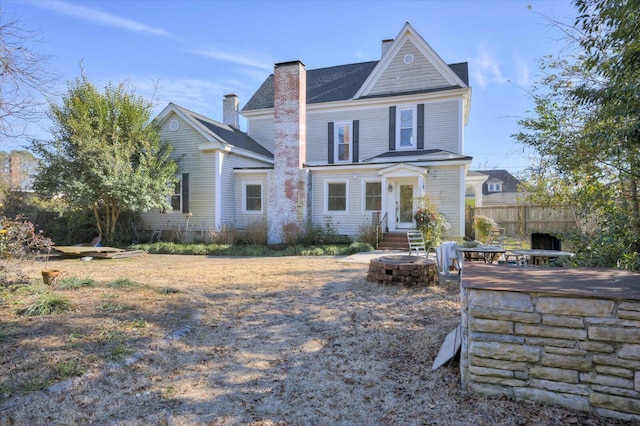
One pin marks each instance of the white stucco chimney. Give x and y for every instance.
(230, 111)
(288, 199)
(385, 46)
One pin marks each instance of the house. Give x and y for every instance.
(498, 188)
(355, 144)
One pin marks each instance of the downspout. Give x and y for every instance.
(217, 215)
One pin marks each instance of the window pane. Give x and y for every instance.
(253, 200)
(337, 196)
(406, 118)
(373, 196)
(343, 152)
(405, 137)
(175, 202)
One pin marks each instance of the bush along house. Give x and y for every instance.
(352, 145)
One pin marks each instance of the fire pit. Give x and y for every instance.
(407, 270)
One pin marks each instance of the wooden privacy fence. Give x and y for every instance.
(523, 220)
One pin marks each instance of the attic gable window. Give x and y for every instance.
(406, 128)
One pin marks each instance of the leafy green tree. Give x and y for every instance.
(105, 155)
(586, 126)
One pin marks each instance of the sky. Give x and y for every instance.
(193, 53)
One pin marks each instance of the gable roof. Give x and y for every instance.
(446, 77)
(418, 155)
(215, 131)
(343, 82)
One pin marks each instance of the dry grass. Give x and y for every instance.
(239, 341)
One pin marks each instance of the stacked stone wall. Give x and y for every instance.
(581, 353)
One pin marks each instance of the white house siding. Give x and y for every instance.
(261, 129)
(444, 187)
(199, 165)
(229, 208)
(442, 125)
(400, 77)
(373, 133)
(346, 223)
(245, 219)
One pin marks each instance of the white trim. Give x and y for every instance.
(336, 144)
(244, 196)
(364, 194)
(326, 195)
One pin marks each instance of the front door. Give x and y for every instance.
(404, 205)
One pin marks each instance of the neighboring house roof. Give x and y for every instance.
(216, 131)
(509, 182)
(338, 83)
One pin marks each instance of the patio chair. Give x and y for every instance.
(518, 259)
(416, 243)
(448, 258)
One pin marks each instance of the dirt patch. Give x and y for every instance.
(239, 341)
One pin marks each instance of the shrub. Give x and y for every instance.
(367, 233)
(483, 225)
(226, 235)
(291, 233)
(19, 241)
(431, 222)
(255, 233)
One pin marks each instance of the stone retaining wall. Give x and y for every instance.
(581, 353)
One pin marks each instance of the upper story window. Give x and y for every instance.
(343, 141)
(406, 127)
(495, 187)
(252, 197)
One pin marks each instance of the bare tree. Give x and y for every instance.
(25, 79)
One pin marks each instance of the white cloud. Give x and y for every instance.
(104, 18)
(486, 68)
(251, 60)
(523, 77)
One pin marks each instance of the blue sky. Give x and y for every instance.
(194, 52)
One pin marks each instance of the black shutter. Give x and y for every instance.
(420, 126)
(392, 128)
(185, 193)
(356, 140)
(330, 144)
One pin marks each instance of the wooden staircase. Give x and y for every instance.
(394, 241)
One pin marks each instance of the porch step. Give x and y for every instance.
(394, 241)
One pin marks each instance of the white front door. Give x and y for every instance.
(401, 203)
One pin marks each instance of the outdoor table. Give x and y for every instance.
(545, 255)
(488, 253)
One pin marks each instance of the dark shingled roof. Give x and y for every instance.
(226, 134)
(234, 137)
(420, 154)
(509, 182)
(331, 84)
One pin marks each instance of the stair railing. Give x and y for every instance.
(381, 228)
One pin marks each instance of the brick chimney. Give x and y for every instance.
(288, 200)
(15, 172)
(386, 44)
(230, 111)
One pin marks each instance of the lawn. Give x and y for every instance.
(190, 340)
